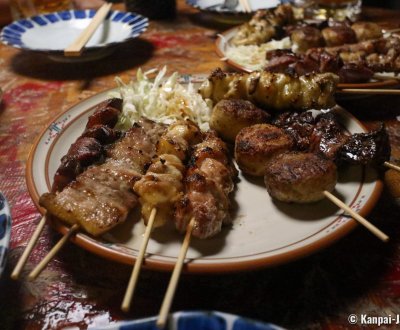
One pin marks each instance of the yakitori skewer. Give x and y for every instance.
(369, 91)
(31, 244)
(161, 187)
(105, 187)
(56, 248)
(130, 290)
(392, 166)
(88, 148)
(169, 295)
(374, 230)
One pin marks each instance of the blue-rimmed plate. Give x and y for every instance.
(196, 320)
(217, 6)
(5, 230)
(52, 33)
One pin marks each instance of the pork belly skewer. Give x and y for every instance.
(101, 197)
(88, 149)
(161, 187)
(205, 206)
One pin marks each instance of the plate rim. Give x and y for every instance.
(7, 236)
(90, 244)
(142, 19)
(221, 37)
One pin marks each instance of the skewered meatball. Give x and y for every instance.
(299, 177)
(367, 30)
(306, 37)
(230, 116)
(257, 144)
(338, 35)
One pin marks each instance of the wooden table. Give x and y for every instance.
(359, 274)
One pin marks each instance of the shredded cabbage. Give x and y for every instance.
(253, 56)
(160, 99)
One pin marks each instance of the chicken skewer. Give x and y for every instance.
(87, 149)
(101, 197)
(205, 206)
(272, 91)
(161, 187)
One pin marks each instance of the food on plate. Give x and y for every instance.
(299, 177)
(89, 147)
(161, 187)
(208, 182)
(338, 35)
(264, 25)
(367, 30)
(272, 91)
(257, 144)
(323, 134)
(101, 197)
(230, 116)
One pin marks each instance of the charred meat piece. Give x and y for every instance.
(102, 196)
(338, 35)
(367, 30)
(257, 144)
(230, 116)
(300, 177)
(328, 136)
(106, 113)
(102, 133)
(306, 37)
(367, 148)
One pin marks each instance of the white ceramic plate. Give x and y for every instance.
(52, 33)
(5, 230)
(264, 233)
(192, 320)
(222, 46)
(217, 6)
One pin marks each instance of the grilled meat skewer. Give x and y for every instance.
(272, 91)
(101, 197)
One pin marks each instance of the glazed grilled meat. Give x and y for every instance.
(101, 197)
(230, 116)
(367, 148)
(89, 147)
(264, 26)
(300, 177)
(272, 91)
(161, 187)
(208, 182)
(324, 135)
(257, 144)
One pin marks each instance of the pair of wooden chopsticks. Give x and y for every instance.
(246, 6)
(75, 49)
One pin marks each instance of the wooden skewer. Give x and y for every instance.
(392, 166)
(369, 91)
(377, 232)
(75, 49)
(130, 290)
(389, 32)
(169, 295)
(25, 255)
(52, 253)
(382, 76)
(245, 5)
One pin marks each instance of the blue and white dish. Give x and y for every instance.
(217, 6)
(196, 320)
(5, 230)
(52, 33)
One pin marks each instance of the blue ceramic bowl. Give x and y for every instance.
(5, 230)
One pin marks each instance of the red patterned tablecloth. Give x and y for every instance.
(358, 275)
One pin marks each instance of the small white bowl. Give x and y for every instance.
(52, 33)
